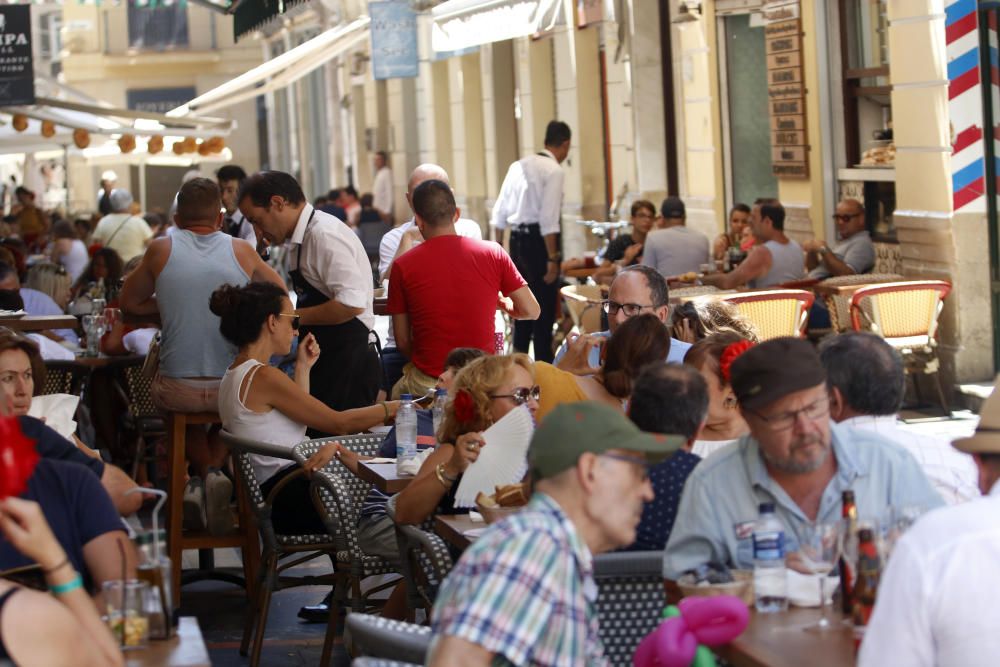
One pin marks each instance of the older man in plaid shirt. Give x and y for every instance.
(524, 593)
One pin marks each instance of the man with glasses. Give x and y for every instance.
(524, 592)
(637, 289)
(794, 457)
(853, 253)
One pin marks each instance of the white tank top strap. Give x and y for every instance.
(248, 378)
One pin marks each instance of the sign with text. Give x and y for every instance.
(394, 40)
(17, 76)
(786, 89)
(158, 100)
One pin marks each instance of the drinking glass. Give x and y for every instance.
(128, 605)
(111, 317)
(899, 521)
(819, 550)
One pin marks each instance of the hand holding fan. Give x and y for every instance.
(502, 460)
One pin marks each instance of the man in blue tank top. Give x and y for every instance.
(776, 259)
(174, 280)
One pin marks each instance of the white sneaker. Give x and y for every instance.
(218, 491)
(194, 504)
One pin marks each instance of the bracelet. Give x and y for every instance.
(446, 481)
(71, 585)
(56, 567)
(386, 408)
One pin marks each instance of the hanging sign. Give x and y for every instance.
(394, 40)
(786, 89)
(17, 77)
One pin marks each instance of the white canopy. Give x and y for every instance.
(281, 70)
(460, 24)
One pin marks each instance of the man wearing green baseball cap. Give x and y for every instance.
(523, 593)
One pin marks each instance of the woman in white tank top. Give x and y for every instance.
(259, 402)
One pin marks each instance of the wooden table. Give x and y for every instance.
(383, 476)
(39, 322)
(186, 649)
(780, 640)
(452, 527)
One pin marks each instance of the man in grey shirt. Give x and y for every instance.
(794, 457)
(854, 253)
(674, 248)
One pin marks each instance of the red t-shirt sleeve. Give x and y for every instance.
(510, 277)
(396, 303)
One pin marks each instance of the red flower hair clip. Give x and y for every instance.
(17, 458)
(464, 407)
(729, 355)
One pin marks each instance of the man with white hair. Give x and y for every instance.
(396, 242)
(126, 234)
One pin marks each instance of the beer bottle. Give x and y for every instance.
(868, 572)
(849, 513)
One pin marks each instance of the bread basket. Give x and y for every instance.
(494, 514)
(741, 587)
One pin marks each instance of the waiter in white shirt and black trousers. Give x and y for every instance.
(530, 204)
(333, 279)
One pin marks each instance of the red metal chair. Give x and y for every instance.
(776, 312)
(906, 315)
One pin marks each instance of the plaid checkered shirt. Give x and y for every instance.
(525, 591)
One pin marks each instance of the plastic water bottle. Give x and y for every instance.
(770, 578)
(406, 431)
(437, 410)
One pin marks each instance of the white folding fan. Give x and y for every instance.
(502, 460)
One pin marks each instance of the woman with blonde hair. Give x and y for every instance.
(484, 391)
(51, 280)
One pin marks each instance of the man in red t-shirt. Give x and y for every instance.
(444, 292)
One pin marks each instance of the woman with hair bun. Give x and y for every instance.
(259, 402)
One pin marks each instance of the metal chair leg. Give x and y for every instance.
(265, 580)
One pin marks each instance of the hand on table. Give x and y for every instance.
(466, 452)
(577, 357)
(813, 245)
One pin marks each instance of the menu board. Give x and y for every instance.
(786, 88)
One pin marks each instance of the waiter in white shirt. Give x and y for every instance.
(230, 177)
(530, 203)
(937, 599)
(333, 280)
(396, 242)
(382, 187)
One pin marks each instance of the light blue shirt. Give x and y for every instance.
(721, 497)
(678, 349)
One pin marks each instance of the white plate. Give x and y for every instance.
(12, 314)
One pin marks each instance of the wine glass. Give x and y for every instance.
(819, 550)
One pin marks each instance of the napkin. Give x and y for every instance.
(502, 460)
(58, 411)
(412, 466)
(803, 589)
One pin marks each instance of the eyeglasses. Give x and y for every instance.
(521, 395)
(295, 319)
(631, 309)
(642, 463)
(786, 420)
(842, 217)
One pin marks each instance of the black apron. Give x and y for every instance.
(348, 372)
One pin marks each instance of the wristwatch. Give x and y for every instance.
(555, 256)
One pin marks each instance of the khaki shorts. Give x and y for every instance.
(184, 395)
(414, 381)
(377, 537)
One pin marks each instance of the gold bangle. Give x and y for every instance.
(386, 409)
(439, 473)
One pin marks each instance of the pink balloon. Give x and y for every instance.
(675, 643)
(645, 653)
(715, 620)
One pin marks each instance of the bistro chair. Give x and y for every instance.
(275, 547)
(338, 495)
(584, 305)
(906, 315)
(630, 599)
(62, 377)
(839, 303)
(425, 559)
(775, 313)
(143, 419)
(378, 637)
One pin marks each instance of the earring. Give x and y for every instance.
(730, 402)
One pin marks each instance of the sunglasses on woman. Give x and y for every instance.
(521, 395)
(295, 319)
